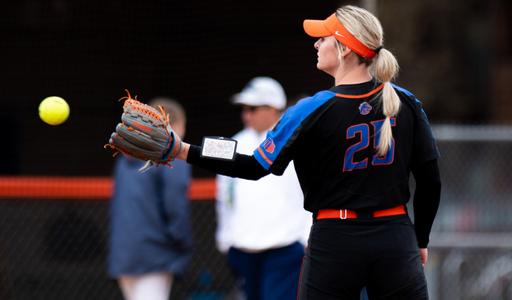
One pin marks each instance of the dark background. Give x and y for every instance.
(88, 52)
(455, 56)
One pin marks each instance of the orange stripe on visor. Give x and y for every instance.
(332, 26)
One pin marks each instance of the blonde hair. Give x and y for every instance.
(384, 67)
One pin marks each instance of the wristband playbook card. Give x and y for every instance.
(216, 147)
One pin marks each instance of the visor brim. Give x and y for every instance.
(316, 28)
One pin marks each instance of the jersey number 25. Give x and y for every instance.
(363, 132)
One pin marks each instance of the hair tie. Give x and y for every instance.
(377, 50)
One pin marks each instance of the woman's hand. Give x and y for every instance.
(424, 256)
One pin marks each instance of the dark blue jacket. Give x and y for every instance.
(150, 228)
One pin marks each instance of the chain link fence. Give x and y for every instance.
(56, 248)
(471, 242)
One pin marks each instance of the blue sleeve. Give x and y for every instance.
(280, 140)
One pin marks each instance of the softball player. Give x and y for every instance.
(354, 147)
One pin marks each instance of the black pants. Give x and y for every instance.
(344, 256)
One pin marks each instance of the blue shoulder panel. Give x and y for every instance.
(406, 92)
(289, 123)
(401, 89)
(418, 103)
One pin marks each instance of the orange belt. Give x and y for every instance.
(350, 214)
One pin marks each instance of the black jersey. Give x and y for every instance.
(332, 139)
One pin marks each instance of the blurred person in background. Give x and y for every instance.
(261, 225)
(150, 238)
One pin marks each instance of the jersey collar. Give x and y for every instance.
(359, 90)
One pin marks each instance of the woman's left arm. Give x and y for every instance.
(426, 199)
(242, 166)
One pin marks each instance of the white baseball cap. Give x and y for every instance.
(262, 91)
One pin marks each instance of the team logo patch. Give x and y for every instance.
(269, 145)
(365, 108)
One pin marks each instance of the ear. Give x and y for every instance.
(345, 51)
(342, 49)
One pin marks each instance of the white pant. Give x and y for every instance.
(153, 286)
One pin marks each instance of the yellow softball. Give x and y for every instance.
(54, 110)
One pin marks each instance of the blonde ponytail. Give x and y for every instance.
(384, 66)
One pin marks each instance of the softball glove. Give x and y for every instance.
(145, 133)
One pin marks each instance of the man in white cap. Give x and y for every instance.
(262, 225)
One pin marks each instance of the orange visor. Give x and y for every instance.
(332, 26)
